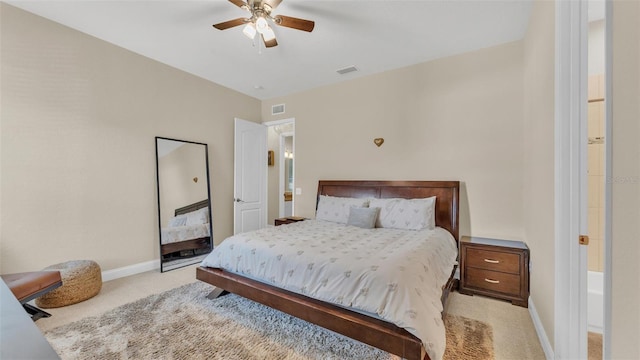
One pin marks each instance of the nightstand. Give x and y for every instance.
(287, 220)
(495, 268)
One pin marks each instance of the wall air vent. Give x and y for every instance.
(346, 70)
(277, 109)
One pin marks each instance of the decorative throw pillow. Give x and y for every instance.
(336, 209)
(180, 220)
(407, 214)
(363, 217)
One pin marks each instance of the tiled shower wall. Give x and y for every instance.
(596, 174)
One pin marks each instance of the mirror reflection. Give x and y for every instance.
(184, 206)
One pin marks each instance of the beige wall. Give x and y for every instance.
(79, 117)
(625, 240)
(539, 157)
(458, 118)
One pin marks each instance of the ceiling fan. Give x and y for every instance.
(257, 24)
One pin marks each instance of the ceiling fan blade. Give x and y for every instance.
(229, 24)
(240, 4)
(270, 43)
(294, 23)
(272, 3)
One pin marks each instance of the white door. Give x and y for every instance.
(250, 176)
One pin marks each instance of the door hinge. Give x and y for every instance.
(584, 240)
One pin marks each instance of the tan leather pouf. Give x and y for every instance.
(81, 280)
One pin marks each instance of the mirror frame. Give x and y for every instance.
(206, 152)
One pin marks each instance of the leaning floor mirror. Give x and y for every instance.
(184, 202)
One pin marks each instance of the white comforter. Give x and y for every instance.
(396, 274)
(182, 233)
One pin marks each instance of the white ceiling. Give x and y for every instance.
(372, 35)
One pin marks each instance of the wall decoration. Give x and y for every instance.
(270, 158)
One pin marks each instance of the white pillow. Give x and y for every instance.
(406, 214)
(180, 220)
(363, 217)
(198, 217)
(336, 209)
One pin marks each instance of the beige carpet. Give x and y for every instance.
(594, 342)
(514, 336)
(183, 324)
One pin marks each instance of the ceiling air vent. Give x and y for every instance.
(346, 70)
(277, 109)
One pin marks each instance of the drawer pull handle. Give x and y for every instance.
(492, 261)
(492, 281)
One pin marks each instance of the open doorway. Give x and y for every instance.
(596, 174)
(286, 183)
(281, 172)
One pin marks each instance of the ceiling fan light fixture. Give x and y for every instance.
(260, 19)
(261, 24)
(249, 31)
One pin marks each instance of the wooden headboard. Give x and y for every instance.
(446, 193)
(192, 207)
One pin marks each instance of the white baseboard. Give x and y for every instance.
(542, 335)
(130, 270)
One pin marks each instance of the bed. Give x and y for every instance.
(185, 236)
(371, 330)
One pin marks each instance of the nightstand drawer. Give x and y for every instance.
(493, 260)
(493, 281)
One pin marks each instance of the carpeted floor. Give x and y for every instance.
(594, 346)
(514, 336)
(183, 324)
